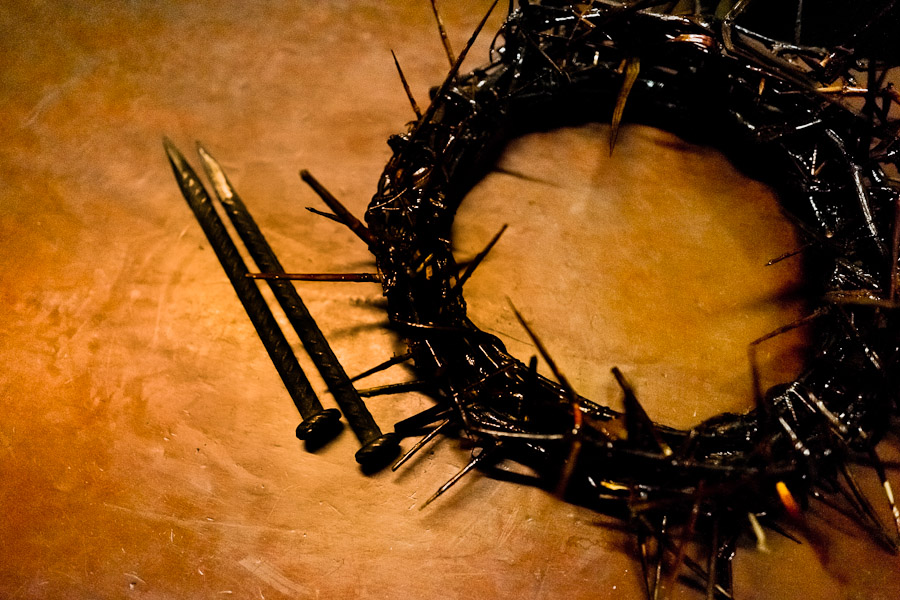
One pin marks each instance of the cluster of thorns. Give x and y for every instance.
(817, 122)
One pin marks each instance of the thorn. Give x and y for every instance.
(394, 360)
(711, 561)
(645, 564)
(769, 524)
(859, 298)
(789, 254)
(393, 388)
(895, 252)
(637, 423)
(421, 420)
(444, 39)
(428, 437)
(787, 500)
(758, 531)
(754, 363)
(544, 354)
(843, 90)
(472, 464)
(327, 215)
(680, 557)
(568, 467)
(451, 75)
(890, 496)
(867, 508)
(523, 176)
(653, 570)
(412, 100)
(478, 258)
(660, 552)
(339, 209)
(888, 491)
(632, 68)
(532, 377)
(356, 277)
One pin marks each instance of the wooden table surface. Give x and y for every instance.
(146, 442)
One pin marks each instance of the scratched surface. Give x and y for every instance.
(146, 443)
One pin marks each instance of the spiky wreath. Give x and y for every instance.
(778, 108)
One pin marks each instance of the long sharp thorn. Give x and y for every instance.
(394, 360)
(637, 422)
(788, 254)
(711, 566)
(568, 467)
(544, 354)
(346, 217)
(327, 215)
(632, 69)
(889, 492)
(393, 388)
(657, 571)
(479, 257)
(444, 39)
(352, 277)
(418, 445)
(758, 533)
(645, 565)
(754, 362)
(790, 326)
(451, 75)
(858, 514)
(867, 508)
(769, 524)
(412, 100)
(668, 545)
(886, 485)
(653, 571)
(895, 251)
(682, 547)
(419, 421)
(472, 464)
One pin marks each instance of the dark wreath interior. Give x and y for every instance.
(781, 110)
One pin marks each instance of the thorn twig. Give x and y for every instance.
(637, 423)
(895, 251)
(444, 39)
(393, 388)
(356, 277)
(472, 464)
(327, 215)
(412, 100)
(632, 68)
(788, 254)
(428, 437)
(478, 258)
(394, 360)
(451, 75)
(345, 216)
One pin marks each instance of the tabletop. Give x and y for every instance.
(147, 444)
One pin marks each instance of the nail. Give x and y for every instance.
(376, 446)
(318, 424)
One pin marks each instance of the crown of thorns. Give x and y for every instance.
(815, 122)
